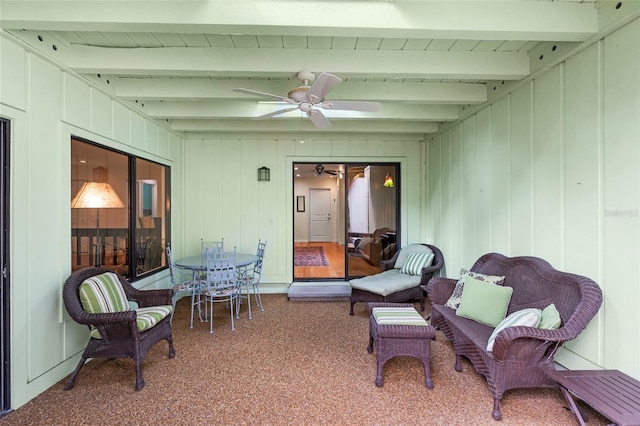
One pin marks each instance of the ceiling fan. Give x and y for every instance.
(317, 170)
(310, 99)
(320, 170)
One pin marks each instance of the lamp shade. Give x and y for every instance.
(98, 195)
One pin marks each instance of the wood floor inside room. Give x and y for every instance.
(334, 253)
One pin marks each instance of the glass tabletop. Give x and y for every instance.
(199, 262)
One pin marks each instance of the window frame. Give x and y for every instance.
(133, 205)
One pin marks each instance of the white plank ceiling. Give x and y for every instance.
(424, 61)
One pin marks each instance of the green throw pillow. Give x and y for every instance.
(415, 262)
(550, 318)
(484, 302)
(103, 294)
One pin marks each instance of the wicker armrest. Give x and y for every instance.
(523, 342)
(152, 297)
(85, 318)
(439, 290)
(388, 264)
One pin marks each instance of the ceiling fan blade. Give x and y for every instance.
(331, 172)
(317, 117)
(351, 106)
(274, 113)
(321, 87)
(266, 95)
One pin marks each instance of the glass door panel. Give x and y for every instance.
(371, 216)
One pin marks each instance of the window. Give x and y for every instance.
(151, 189)
(110, 210)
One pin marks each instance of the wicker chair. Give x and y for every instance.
(359, 295)
(521, 355)
(115, 334)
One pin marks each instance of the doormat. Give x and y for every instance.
(309, 256)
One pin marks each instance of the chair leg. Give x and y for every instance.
(233, 327)
(496, 413)
(258, 296)
(172, 349)
(193, 297)
(211, 317)
(248, 298)
(71, 382)
(174, 300)
(139, 378)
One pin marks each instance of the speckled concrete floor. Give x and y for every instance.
(301, 363)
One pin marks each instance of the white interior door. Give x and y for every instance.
(319, 215)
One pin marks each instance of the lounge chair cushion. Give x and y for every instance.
(386, 282)
(103, 294)
(484, 302)
(415, 262)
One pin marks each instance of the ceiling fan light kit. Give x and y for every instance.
(310, 99)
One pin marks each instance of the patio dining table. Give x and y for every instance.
(199, 262)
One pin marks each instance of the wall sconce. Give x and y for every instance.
(264, 174)
(388, 181)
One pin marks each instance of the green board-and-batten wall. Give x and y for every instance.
(552, 169)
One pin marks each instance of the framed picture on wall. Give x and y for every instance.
(300, 203)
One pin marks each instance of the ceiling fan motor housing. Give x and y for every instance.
(299, 94)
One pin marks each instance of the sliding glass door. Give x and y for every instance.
(345, 219)
(372, 212)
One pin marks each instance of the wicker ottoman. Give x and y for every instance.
(399, 330)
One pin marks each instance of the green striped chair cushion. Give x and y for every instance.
(398, 316)
(147, 318)
(415, 262)
(103, 294)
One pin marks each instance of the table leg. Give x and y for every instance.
(573, 407)
(196, 279)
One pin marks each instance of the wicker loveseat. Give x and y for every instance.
(393, 286)
(521, 355)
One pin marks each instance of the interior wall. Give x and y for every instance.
(46, 106)
(552, 170)
(301, 187)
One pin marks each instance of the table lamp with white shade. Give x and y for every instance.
(96, 195)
